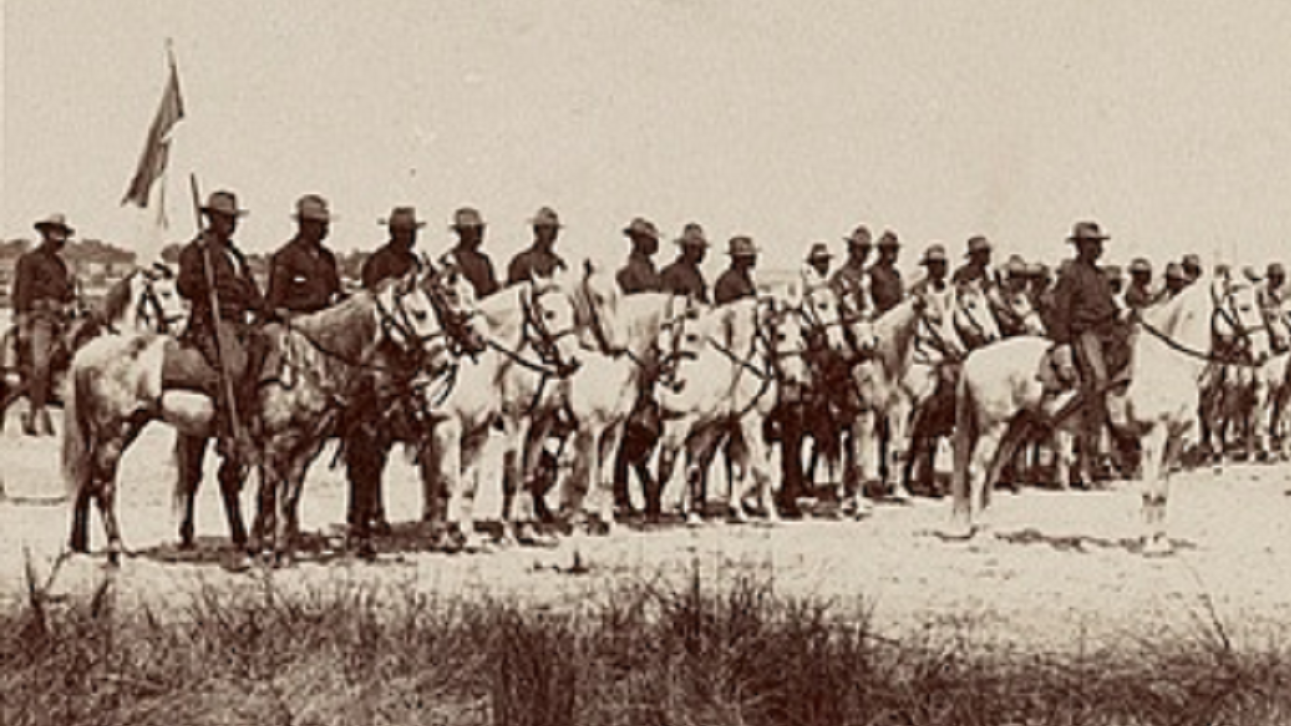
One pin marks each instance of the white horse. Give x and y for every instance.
(1170, 347)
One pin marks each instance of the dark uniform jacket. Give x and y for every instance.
(303, 277)
(733, 285)
(886, 288)
(683, 278)
(638, 275)
(478, 269)
(239, 295)
(534, 260)
(387, 262)
(1082, 301)
(41, 280)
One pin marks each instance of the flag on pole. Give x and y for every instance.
(156, 149)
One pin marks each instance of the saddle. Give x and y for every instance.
(1117, 353)
(188, 365)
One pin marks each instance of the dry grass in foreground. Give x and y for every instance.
(352, 655)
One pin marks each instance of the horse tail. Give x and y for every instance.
(76, 428)
(963, 438)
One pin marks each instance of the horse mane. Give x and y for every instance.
(342, 329)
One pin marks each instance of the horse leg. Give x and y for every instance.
(670, 445)
(896, 442)
(366, 454)
(80, 539)
(189, 452)
(231, 474)
(757, 466)
(963, 441)
(610, 443)
(104, 472)
(861, 441)
(1155, 451)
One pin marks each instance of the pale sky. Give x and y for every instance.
(1168, 122)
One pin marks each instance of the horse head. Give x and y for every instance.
(1237, 321)
(550, 323)
(453, 297)
(596, 303)
(784, 337)
(973, 320)
(408, 316)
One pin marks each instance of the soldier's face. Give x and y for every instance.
(937, 270)
(694, 253)
(405, 237)
(223, 225)
(546, 234)
(1276, 280)
(859, 252)
(470, 237)
(315, 229)
(1090, 249)
(648, 245)
(1141, 279)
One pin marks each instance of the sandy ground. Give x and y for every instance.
(1054, 571)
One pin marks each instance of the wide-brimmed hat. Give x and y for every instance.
(819, 251)
(889, 240)
(467, 218)
(741, 246)
(402, 218)
(1037, 269)
(1174, 271)
(55, 221)
(978, 243)
(1140, 265)
(860, 237)
(1275, 268)
(935, 253)
(692, 235)
(313, 207)
(641, 227)
(1191, 260)
(223, 203)
(1016, 266)
(546, 217)
(1086, 232)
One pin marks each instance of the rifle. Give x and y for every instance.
(221, 344)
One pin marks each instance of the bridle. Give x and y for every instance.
(978, 329)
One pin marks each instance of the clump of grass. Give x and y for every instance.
(741, 654)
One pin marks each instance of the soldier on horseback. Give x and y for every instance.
(1176, 279)
(42, 295)
(541, 258)
(978, 268)
(683, 276)
(303, 277)
(1140, 294)
(241, 308)
(1084, 328)
(736, 283)
(1272, 300)
(886, 287)
(850, 282)
(474, 264)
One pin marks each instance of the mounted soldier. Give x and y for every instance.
(395, 258)
(886, 287)
(1176, 280)
(1084, 329)
(977, 271)
(540, 259)
(1191, 266)
(235, 324)
(639, 274)
(303, 277)
(850, 281)
(474, 264)
(1005, 301)
(1271, 295)
(815, 270)
(1140, 294)
(683, 276)
(736, 283)
(43, 293)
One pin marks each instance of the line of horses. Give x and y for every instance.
(750, 381)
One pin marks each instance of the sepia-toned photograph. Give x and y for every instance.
(724, 362)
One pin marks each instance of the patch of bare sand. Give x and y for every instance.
(1055, 571)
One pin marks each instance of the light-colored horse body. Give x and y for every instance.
(1158, 405)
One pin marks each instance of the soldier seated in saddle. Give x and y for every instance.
(43, 296)
(303, 277)
(683, 276)
(1272, 300)
(224, 335)
(1090, 346)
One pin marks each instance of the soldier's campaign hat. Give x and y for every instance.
(860, 237)
(1037, 269)
(819, 251)
(1174, 271)
(312, 207)
(1086, 232)
(402, 218)
(934, 254)
(1016, 266)
(741, 246)
(641, 227)
(1191, 260)
(1275, 269)
(692, 235)
(978, 243)
(225, 203)
(467, 218)
(55, 221)
(1112, 272)
(1252, 274)
(546, 217)
(1140, 266)
(889, 240)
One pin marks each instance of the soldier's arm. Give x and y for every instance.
(191, 282)
(279, 281)
(22, 286)
(489, 283)
(1060, 315)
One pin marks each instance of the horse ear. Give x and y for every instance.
(589, 268)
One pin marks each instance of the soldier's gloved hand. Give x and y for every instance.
(1064, 360)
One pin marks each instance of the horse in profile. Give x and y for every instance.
(144, 300)
(1170, 346)
(519, 382)
(116, 390)
(734, 363)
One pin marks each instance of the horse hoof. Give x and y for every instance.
(900, 495)
(1157, 546)
(958, 531)
(694, 520)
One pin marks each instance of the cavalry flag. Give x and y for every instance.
(156, 149)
